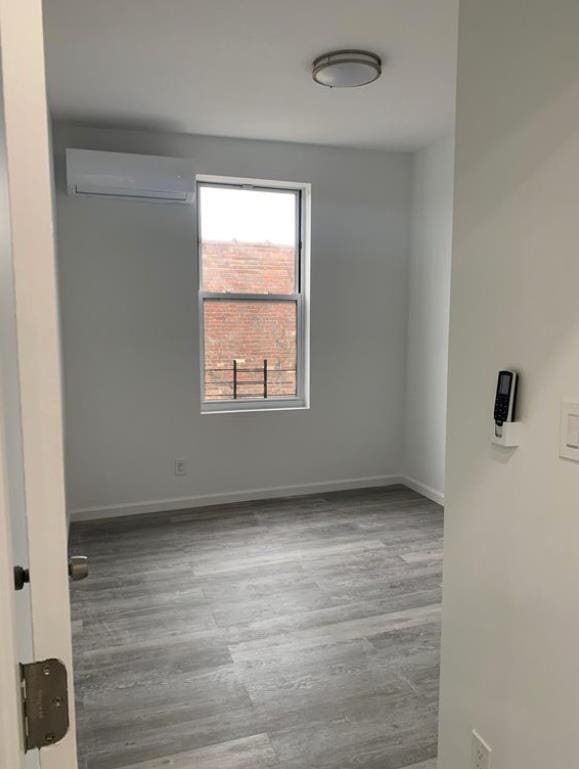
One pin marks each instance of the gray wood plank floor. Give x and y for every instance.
(284, 634)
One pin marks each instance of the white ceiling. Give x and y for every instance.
(242, 67)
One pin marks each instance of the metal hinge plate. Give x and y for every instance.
(44, 702)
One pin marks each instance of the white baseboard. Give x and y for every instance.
(422, 488)
(275, 492)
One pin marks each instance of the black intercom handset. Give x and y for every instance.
(505, 399)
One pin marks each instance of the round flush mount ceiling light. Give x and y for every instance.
(346, 69)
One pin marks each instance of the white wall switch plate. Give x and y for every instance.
(481, 753)
(180, 467)
(569, 431)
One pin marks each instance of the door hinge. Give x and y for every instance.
(44, 702)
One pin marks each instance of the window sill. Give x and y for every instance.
(254, 407)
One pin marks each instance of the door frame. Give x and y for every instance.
(11, 742)
(30, 192)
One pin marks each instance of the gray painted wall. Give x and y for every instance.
(127, 281)
(428, 309)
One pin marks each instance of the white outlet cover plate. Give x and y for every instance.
(569, 430)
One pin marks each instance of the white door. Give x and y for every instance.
(34, 621)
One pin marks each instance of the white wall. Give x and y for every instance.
(510, 609)
(130, 333)
(428, 308)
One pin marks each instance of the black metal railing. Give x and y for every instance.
(268, 380)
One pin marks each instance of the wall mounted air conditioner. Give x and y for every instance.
(134, 177)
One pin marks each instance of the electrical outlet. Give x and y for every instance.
(481, 753)
(180, 467)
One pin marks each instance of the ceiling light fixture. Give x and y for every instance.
(346, 69)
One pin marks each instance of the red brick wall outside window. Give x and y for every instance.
(246, 331)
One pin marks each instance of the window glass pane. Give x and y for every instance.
(250, 349)
(248, 240)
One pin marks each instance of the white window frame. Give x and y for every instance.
(300, 297)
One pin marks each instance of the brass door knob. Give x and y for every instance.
(77, 567)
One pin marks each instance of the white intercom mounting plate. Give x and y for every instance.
(509, 434)
(569, 432)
